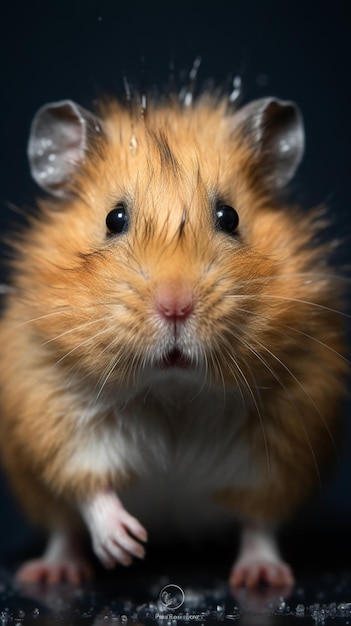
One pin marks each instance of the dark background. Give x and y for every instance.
(293, 50)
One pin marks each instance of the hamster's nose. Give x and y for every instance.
(174, 301)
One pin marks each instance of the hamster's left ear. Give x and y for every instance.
(275, 134)
(59, 138)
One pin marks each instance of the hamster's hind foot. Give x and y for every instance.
(63, 561)
(253, 573)
(259, 561)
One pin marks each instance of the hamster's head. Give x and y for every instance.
(166, 243)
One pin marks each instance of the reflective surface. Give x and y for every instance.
(179, 585)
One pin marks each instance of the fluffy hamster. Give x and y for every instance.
(172, 350)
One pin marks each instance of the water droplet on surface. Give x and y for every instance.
(36, 612)
(300, 610)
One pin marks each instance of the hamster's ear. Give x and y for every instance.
(58, 140)
(274, 130)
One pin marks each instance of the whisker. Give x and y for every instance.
(78, 347)
(69, 332)
(107, 374)
(252, 395)
(286, 298)
(208, 374)
(59, 311)
(297, 331)
(321, 343)
(309, 277)
(41, 317)
(293, 403)
(217, 365)
(311, 400)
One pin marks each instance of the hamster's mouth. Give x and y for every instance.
(175, 358)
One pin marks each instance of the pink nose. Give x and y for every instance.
(174, 301)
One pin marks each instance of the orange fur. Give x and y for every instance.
(267, 307)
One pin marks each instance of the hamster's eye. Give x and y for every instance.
(117, 220)
(227, 218)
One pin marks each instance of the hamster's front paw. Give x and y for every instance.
(115, 534)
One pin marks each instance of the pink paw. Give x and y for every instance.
(120, 541)
(54, 572)
(116, 535)
(251, 574)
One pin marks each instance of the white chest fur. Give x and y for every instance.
(183, 441)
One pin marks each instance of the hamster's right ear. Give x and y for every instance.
(274, 131)
(58, 141)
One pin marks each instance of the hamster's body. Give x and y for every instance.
(155, 348)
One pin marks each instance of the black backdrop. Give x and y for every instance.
(294, 50)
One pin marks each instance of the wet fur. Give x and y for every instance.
(80, 337)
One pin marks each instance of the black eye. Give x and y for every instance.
(117, 220)
(227, 218)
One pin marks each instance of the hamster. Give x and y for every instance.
(173, 352)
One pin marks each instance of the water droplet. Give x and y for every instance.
(133, 144)
(332, 610)
(344, 609)
(188, 98)
(300, 610)
(45, 143)
(4, 617)
(284, 146)
(237, 89)
(36, 612)
(194, 69)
